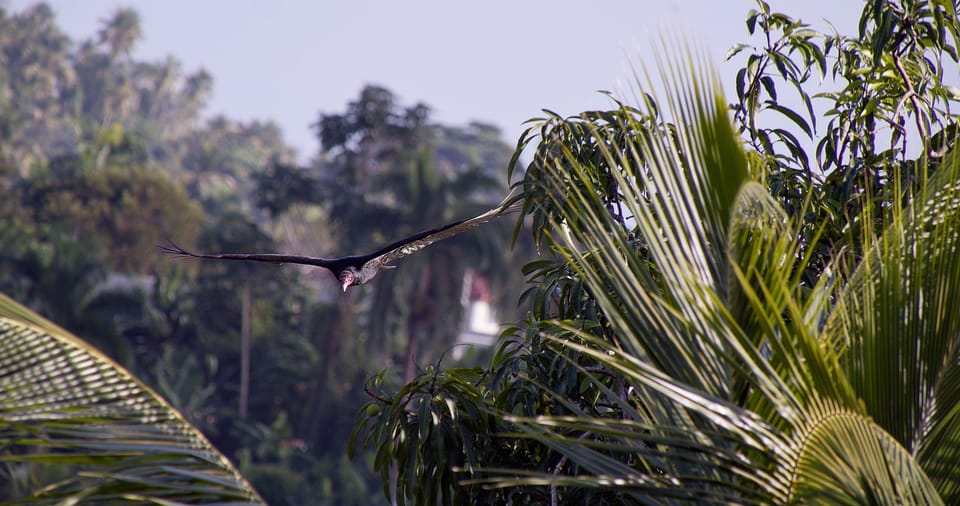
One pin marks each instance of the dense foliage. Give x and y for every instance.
(752, 312)
(103, 157)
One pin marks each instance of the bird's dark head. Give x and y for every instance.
(349, 277)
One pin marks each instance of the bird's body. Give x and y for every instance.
(359, 269)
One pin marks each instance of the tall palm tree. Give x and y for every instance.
(423, 300)
(721, 376)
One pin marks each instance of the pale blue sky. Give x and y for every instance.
(498, 61)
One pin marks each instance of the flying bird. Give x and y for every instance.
(359, 269)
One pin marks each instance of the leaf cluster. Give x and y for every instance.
(715, 326)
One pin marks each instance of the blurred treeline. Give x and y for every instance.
(103, 157)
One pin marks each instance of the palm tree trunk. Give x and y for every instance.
(415, 324)
(410, 361)
(245, 348)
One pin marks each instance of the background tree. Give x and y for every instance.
(104, 156)
(385, 171)
(130, 210)
(37, 79)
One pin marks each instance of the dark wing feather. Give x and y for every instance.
(417, 242)
(173, 249)
(384, 255)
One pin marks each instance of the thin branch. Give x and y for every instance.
(366, 388)
(912, 94)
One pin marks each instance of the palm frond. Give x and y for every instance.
(898, 322)
(63, 403)
(712, 328)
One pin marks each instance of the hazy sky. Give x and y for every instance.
(497, 61)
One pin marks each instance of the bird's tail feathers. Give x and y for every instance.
(171, 248)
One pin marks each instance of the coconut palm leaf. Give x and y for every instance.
(738, 391)
(897, 321)
(63, 403)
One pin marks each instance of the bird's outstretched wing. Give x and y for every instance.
(173, 249)
(417, 242)
(376, 260)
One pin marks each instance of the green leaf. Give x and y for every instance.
(751, 21)
(792, 116)
(735, 50)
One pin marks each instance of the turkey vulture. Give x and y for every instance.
(358, 269)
